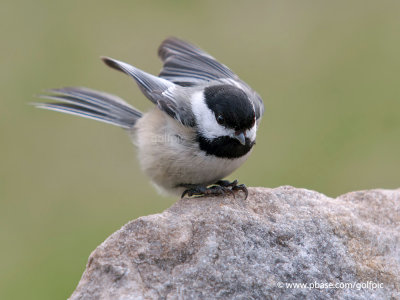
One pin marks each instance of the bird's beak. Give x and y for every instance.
(241, 138)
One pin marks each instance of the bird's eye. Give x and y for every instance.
(220, 120)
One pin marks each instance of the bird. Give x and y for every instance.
(201, 128)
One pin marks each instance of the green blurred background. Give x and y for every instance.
(328, 73)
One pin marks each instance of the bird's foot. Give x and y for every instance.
(221, 187)
(200, 190)
(234, 186)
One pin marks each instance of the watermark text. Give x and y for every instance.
(370, 285)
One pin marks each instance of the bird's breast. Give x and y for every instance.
(170, 154)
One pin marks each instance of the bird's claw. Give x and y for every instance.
(221, 187)
(241, 187)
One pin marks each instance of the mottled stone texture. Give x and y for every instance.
(231, 248)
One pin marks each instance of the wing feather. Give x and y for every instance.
(160, 91)
(185, 63)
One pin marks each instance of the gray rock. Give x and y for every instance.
(226, 248)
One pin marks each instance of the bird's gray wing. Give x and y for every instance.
(188, 65)
(163, 93)
(258, 105)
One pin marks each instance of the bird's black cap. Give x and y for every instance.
(232, 104)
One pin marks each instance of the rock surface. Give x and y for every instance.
(231, 248)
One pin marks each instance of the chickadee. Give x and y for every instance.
(202, 128)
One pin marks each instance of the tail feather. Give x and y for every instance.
(92, 104)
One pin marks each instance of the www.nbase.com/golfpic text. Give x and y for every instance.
(330, 285)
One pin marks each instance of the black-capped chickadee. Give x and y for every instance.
(202, 128)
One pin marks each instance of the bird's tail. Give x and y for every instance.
(92, 104)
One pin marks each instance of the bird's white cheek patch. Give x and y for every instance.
(206, 122)
(251, 133)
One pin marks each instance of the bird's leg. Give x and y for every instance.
(234, 186)
(192, 189)
(221, 187)
(227, 183)
(201, 190)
